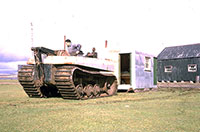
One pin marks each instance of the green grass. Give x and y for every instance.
(9, 80)
(165, 110)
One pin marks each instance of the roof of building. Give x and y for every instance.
(178, 52)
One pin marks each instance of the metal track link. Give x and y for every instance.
(26, 79)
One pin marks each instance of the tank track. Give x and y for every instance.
(76, 83)
(26, 79)
(70, 82)
(64, 83)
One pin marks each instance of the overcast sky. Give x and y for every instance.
(144, 25)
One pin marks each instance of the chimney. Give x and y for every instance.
(106, 44)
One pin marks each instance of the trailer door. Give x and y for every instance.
(125, 71)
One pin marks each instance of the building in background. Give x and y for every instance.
(179, 64)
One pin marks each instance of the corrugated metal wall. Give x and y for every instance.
(144, 79)
(179, 70)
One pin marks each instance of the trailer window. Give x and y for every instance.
(168, 68)
(192, 68)
(147, 64)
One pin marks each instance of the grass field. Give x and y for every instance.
(164, 110)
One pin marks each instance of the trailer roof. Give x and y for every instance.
(179, 52)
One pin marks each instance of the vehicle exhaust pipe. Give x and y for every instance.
(64, 42)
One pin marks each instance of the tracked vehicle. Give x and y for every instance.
(69, 77)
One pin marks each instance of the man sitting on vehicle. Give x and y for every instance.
(93, 54)
(73, 49)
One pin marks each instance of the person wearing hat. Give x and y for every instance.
(73, 49)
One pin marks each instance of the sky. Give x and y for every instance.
(143, 25)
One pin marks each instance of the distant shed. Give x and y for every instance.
(179, 64)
